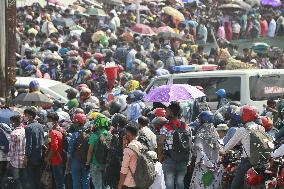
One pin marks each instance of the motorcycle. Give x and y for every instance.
(230, 162)
(266, 177)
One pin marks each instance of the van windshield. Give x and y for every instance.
(212, 84)
(60, 89)
(266, 87)
(157, 83)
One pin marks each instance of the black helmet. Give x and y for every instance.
(71, 93)
(114, 107)
(57, 104)
(119, 120)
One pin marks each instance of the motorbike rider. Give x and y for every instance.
(249, 115)
(222, 98)
(267, 123)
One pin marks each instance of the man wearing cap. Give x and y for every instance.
(222, 131)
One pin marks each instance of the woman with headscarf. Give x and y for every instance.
(206, 148)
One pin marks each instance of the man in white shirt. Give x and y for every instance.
(249, 115)
(271, 27)
(236, 29)
(159, 182)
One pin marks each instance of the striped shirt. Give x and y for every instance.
(17, 144)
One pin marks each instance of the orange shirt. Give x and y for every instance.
(264, 28)
(129, 162)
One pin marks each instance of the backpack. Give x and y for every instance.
(113, 165)
(103, 148)
(145, 173)
(259, 147)
(182, 144)
(82, 145)
(144, 140)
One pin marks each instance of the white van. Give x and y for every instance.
(252, 87)
(55, 89)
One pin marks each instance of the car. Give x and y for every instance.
(253, 87)
(52, 88)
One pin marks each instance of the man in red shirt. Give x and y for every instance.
(56, 150)
(263, 27)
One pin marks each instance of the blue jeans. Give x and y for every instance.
(80, 176)
(97, 177)
(58, 174)
(34, 173)
(20, 176)
(239, 178)
(174, 173)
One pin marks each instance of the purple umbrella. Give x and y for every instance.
(274, 3)
(174, 92)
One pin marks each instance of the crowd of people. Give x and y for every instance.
(106, 136)
(86, 147)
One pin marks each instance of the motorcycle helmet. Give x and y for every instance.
(85, 93)
(160, 112)
(114, 107)
(206, 117)
(253, 178)
(92, 67)
(136, 95)
(267, 123)
(119, 120)
(80, 118)
(71, 93)
(44, 68)
(81, 86)
(221, 93)
(249, 113)
(87, 55)
(101, 121)
(34, 85)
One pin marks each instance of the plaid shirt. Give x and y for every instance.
(17, 144)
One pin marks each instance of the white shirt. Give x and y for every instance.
(151, 136)
(271, 28)
(117, 21)
(236, 28)
(242, 135)
(278, 152)
(159, 182)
